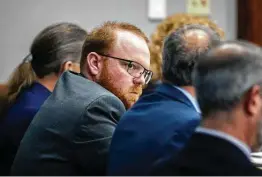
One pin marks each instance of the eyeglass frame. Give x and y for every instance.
(130, 61)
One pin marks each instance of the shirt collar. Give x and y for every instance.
(219, 134)
(191, 98)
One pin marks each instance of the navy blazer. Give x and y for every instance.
(152, 131)
(16, 122)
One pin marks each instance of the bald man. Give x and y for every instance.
(228, 84)
(159, 124)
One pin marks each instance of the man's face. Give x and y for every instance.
(114, 75)
(259, 133)
(256, 122)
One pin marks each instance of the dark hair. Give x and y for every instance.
(102, 38)
(52, 47)
(225, 74)
(179, 57)
(56, 45)
(169, 25)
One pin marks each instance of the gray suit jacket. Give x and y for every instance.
(71, 133)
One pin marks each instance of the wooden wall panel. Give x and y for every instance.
(250, 20)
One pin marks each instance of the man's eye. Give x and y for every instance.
(130, 65)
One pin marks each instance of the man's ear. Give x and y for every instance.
(94, 63)
(253, 100)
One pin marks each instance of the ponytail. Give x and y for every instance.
(22, 77)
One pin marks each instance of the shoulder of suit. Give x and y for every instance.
(79, 89)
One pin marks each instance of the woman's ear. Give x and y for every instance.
(67, 66)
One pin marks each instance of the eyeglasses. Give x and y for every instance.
(133, 68)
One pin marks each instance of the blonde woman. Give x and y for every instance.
(55, 49)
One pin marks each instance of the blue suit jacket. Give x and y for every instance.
(152, 131)
(16, 122)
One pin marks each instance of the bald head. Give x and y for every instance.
(196, 39)
(234, 48)
(182, 49)
(225, 73)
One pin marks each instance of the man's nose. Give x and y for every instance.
(139, 80)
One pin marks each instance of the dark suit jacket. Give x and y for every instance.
(16, 121)
(208, 155)
(71, 133)
(151, 87)
(153, 130)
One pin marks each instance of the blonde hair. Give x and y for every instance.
(22, 77)
(53, 46)
(170, 24)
